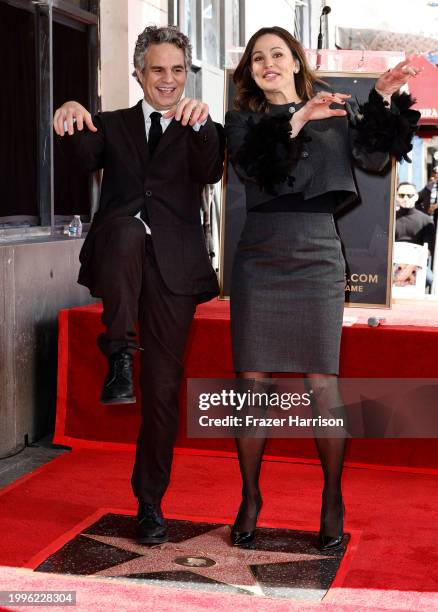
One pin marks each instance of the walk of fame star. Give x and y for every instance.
(209, 555)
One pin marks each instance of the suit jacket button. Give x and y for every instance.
(305, 155)
(148, 193)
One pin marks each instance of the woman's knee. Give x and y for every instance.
(321, 385)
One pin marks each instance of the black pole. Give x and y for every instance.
(319, 46)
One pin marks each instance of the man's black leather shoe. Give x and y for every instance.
(151, 525)
(118, 387)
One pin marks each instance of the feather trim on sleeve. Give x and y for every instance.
(386, 128)
(268, 153)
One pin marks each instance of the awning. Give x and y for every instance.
(424, 88)
(382, 40)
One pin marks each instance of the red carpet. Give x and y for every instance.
(391, 562)
(393, 350)
(122, 596)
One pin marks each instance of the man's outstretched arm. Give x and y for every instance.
(85, 135)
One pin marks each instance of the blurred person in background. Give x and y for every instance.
(428, 197)
(413, 225)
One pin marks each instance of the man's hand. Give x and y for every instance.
(189, 111)
(318, 107)
(67, 113)
(393, 79)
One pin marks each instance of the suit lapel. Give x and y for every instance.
(173, 131)
(134, 119)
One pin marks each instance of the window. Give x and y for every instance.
(213, 27)
(302, 22)
(37, 191)
(70, 82)
(234, 34)
(18, 118)
(188, 24)
(211, 32)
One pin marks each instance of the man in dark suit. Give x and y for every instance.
(145, 254)
(428, 197)
(428, 200)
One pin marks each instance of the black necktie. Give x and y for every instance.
(155, 131)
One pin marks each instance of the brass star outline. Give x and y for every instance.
(232, 564)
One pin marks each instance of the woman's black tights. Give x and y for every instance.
(326, 402)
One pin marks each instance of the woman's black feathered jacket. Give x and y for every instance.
(319, 159)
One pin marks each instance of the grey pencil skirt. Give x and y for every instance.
(287, 294)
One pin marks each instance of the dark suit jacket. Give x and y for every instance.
(170, 185)
(424, 197)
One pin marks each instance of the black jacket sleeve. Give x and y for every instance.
(428, 235)
(262, 151)
(207, 152)
(379, 130)
(423, 202)
(85, 149)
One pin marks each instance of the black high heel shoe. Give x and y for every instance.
(240, 538)
(331, 542)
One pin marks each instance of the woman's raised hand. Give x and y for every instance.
(393, 79)
(318, 107)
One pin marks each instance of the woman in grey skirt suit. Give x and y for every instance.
(292, 142)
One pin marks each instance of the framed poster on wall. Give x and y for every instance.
(366, 227)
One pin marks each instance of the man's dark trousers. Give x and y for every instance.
(132, 290)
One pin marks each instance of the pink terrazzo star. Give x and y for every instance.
(209, 555)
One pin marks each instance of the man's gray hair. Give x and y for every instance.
(154, 35)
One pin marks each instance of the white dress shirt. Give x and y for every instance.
(147, 111)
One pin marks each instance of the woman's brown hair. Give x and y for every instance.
(248, 95)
